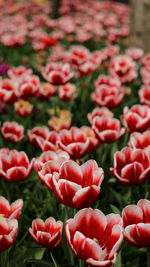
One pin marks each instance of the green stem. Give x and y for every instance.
(48, 254)
(66, 211)
(148, 257)
(55, 264)
(80, 263)
(131, 194)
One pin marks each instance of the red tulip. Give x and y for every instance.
(46, 90)
(107, 129)
(49, 155)
(137, 118)
(50, 142)
(107, 80)
(136, 222)
(12, 211)
(38, 135)
(12, 131)
(144, 95)
(8, 232)
(28, 86)
(8, 91)
(106, 96)
(57, 73)
(94, 237)
(67, 92)
(135, 53)
(78, 55)
(99, 112)
(140, 140)
(19, 72)
(15, 166)
(94, 143)
(48, 170)
(23, 108)
(124, 68)
(131, 166)
(78, 186)
(74, 142)
(48, 233)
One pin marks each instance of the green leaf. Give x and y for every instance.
(115, 209)
(118, 261)
(38, 263)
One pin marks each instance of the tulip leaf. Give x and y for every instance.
(118, 261)
(115, 209)
(38, 263)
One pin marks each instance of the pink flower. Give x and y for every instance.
(8, 232)
(131, 166)
(48, 169)
(8, 91)
(15, 166)
(48, 233)
(106, 96)
(12, 131)
(136, 222)
(144, 94)
(67, 92)
(49, 155)
(107, 129)
(78, 186)
(135, 53)
(94, 237)
(28, 86)
(107, 80)
(140, 140)
(19, 72)
(124, 68)
(57, 73)
(74, 142)
(99, 112)
(94, 142)
(12, 211)
(38, 135)
(78, 55)
(50, 142)
(137, 118)
(23, 108)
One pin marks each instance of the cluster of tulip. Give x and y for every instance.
(74, 101)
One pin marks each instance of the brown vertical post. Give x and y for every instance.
(140, 23)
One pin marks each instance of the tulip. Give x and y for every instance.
(78, 186)
(94, 237)
(140, 140)
(137, 118)
(136, 223)
(23, 108)
(8, 232)
(131, 166)
(107, 129)
(57, 73)
(48, 233)
(15, 166)
(38, 135)
(12, 211)
(74, 142)
(12, 131)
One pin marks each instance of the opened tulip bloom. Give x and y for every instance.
(15, 166)
(12, 131)
(140, 140)
(137, 118)
(49, 155)
(12, 211)
(99, 112)
(8, 232)
(75, 142)
(136, 222)
(57, 73)
(38, 135)
(48, 233)
(131, 166)
(94, 237)
(47, 171)
(78, 186)
(107, 129)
